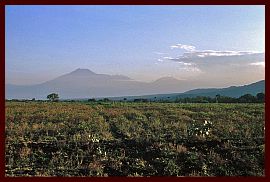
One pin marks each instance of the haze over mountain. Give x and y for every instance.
(84, 83)
(233, 91)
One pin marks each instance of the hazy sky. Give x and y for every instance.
(223, 45)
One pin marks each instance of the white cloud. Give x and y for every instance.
(189, 56)
(186, 64)
(258, 64)
(191, 69)
(193, 53)
(176, 59)
(170, 58)
(213, 53)
(202, 61)
(185, 47)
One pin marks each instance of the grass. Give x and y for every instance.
(134, 139)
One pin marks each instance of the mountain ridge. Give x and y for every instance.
(208, 92)
(84, 83)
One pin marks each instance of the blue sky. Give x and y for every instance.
(142, 42)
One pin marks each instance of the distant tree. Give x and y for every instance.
(106, 100)
(247, 98)
(217, 98)
(33, 99)
(92, 100)
(140, 100)
(226, 99)
(53, 97)
(125, 99)
(260, 97)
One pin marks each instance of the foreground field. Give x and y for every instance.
(134, 139)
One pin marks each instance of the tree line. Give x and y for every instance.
(247, 98)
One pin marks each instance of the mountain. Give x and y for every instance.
(84, 83)
(233, 91)
(168, 79)
(82, 72)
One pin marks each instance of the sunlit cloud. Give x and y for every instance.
(169, 58)
(192, 52)
(258, 64)
(213, 53)
(207, 61)
(191, 69)
(183, 46)
(187, 66)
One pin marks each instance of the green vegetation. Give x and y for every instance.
(247, 98)
(53, 97)
(134, 139)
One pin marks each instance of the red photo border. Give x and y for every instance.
(3, 3)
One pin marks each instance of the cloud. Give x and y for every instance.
(192, 52)
(169, 58)
(215, 62)
(191, 69)
(183, 46)
(187, 66)
(257, 64)
(213, 53)
(202, 55)
(177, 60)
